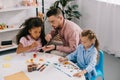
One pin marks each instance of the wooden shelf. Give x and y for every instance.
(8, 47)
(9, 29)
(16, 8)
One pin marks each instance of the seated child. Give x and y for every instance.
(85, 56)
(32, 37)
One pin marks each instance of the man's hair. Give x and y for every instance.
(54, 11)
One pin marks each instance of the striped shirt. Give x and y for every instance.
(85, 59)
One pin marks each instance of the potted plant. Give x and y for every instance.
(69, 11)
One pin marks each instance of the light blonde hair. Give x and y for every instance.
(91, 35)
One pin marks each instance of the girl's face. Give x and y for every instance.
(35, 32)
(86, 42)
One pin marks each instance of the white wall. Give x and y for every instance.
(104, 19)
(47, 4)
(79, 3)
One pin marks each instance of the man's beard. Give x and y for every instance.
(58, 28)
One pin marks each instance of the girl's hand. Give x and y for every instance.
(48, 47)
(62, 59)
(34, 44)
(80, 74)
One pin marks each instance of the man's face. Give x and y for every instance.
(55, 21)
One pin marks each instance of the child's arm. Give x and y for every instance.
(80, 74)
(90, 66)
(62, 59)
(93, 62)
(22, 49)
(73, 56)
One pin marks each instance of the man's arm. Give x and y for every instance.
(73, 39)
(50, 36)
(53, 33)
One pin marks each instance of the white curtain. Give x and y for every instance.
(104, 19)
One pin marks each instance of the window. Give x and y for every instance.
(111, 1)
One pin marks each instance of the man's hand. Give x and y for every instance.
(48, 47)
(48, 37)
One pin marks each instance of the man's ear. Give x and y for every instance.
(60, 16)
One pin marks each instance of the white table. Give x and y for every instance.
(18, 62)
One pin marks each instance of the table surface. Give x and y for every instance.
(13, 63)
